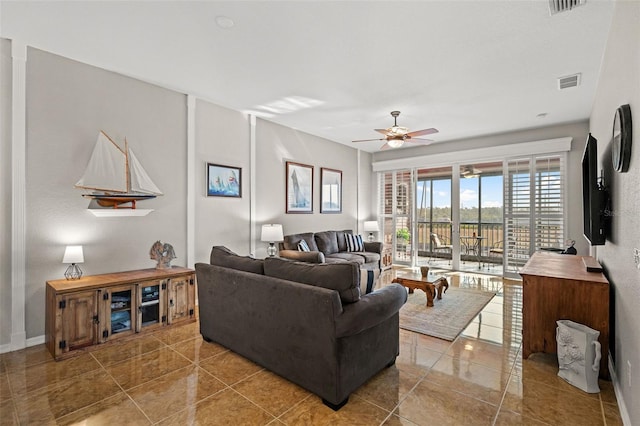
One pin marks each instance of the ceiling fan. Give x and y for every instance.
(469, 172)
(396, 135)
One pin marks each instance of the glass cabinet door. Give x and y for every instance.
(119, 314)
(151, 304)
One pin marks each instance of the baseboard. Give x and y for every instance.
(624, 414)
(38, 340)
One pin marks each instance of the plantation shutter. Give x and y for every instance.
(533, 208)
(396, 210)
(517, 214)
(549, 203)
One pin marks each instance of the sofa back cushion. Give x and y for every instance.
(327, 242)
(291, 241)
(342, 241)
(222, 256)
(344, 277)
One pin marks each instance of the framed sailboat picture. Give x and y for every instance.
(299, 188)
(330, 190)
(224, 181)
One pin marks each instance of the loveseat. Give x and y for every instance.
(306, 322)
(331, 247)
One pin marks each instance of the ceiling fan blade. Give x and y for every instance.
(417, 141)
(383, 131)
(369, 140)
(423, 132)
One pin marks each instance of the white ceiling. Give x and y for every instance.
(336, 69)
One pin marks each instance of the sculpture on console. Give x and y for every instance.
(163, 254)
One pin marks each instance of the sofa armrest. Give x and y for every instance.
(370, 310)
(373, 247)
(303, 256)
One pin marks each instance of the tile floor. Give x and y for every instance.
(173, 377)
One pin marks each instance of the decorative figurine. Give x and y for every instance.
(163, 254)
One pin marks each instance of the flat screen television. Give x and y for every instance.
(594, 195)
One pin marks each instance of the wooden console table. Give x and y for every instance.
(556, 287)
(101, 308)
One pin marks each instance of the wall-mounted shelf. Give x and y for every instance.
(119, 212)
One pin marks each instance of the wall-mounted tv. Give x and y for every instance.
(594, 195)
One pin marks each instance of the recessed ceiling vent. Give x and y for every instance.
(568, 81)
(557, 6)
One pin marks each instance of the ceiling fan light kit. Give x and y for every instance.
(396, 135)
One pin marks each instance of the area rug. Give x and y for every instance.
(449, 315)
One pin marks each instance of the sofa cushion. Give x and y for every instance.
(346, 257)
(342, 241)
(327, 242)
(354, 242)
(291, 241)
(344, 277)
(369, 257)
(222, 256)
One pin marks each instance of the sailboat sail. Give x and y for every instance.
(116, 175)
(140, 180)
(106, 170)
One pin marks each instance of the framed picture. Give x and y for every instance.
(299, 188)
(224, 181)
(330, 191)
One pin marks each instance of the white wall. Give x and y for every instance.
(5, 191)
(620, 84)
(222, 137)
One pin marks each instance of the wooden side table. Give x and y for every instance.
(558, 286)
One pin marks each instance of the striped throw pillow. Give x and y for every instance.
(354, 242)
(303, 246)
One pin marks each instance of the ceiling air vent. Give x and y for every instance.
(568, 81)
(557, 6)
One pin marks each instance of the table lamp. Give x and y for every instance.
(272, 233)
(73, 255)
(371, 226)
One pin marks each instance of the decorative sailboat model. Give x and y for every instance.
(116, 176)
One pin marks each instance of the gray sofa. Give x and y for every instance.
(331, 247)
(306, 322)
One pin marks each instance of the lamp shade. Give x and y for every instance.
(272, 233)
(73, 254)
(371, 226)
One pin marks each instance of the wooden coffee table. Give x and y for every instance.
(431, 286)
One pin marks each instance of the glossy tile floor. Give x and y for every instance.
(173, 377)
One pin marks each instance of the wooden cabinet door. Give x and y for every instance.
(181, 294)
(119, 312)
(77, 321)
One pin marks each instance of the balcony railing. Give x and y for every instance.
(471, 248)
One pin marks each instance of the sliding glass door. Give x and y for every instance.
(487, 217)
(481, 217)
(433, 217)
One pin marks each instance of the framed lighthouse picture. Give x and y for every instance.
(299, 188)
